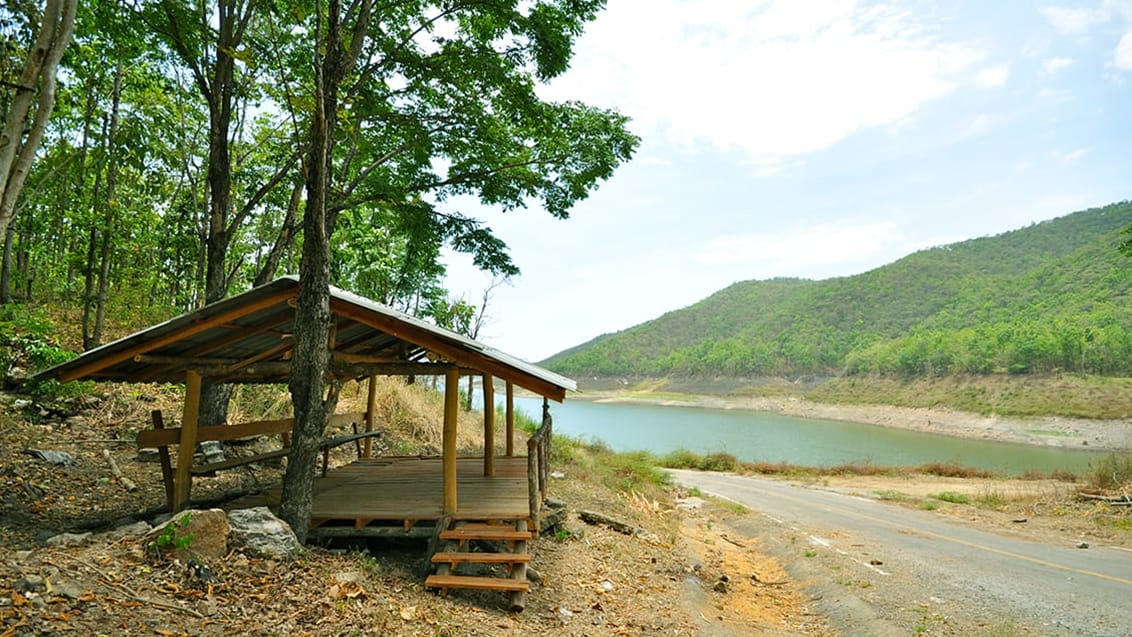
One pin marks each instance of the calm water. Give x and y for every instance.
(756, 436)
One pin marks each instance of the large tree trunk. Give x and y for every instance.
(38, 76)
(312, 317)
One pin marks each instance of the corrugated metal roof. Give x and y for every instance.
(248, 338)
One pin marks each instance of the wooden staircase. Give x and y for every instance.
(456, 545)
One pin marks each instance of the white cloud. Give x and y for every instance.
(980, 124)
(1073, 20)
(773, 82)
(1074, 155)
(800, 251)
(1122, 57)
(1054, 65)
(993, 77)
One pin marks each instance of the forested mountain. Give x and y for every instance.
(1050, 297)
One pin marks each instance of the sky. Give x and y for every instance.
(811, 139)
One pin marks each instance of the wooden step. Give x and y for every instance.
(496, 533)
(445, 582)
(481, 558)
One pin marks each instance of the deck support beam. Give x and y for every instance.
(371, 404)
(448, 443)
(182, 479)
(510, 417)
(488, 426)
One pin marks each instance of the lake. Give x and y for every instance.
(759, 436)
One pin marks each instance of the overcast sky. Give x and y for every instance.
(812, 139)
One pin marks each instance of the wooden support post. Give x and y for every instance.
(182, 479)
(166, 464)
(534, 499)
(371, 415)
(510, 417)
(488, 426)
(448, 444)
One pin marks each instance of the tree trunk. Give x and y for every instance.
(311, 358)
(38, 73)
(6, 269)
(111, 213)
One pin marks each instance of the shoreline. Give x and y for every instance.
(1047, 431)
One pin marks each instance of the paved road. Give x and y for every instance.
(879, 568)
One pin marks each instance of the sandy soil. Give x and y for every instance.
(1047, 431)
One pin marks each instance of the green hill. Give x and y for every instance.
(1053, 296)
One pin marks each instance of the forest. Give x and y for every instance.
(1051, 297)
(174, 167)
(160, 155)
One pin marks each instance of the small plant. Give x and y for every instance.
(809, 553)
(951, 496)
(173, 537)
(562, 534)
(929, 505)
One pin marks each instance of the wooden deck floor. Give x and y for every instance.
(402, 491)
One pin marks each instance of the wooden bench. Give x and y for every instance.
(162, 438)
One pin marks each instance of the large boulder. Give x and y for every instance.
(260, 534)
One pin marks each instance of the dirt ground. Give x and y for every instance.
(683, 573)
(687, 572)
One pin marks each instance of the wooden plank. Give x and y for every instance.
(488, 426)
(445, 582)
(164, 437)
(504, 534)
(110, 360)
(230, 463)
(152, 438)
(166, 463)
(509, 415)
(480, 558)
(448, 442)
(182, 479)
(371, 414)
(447, 349)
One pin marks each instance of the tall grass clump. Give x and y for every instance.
(1113, 471)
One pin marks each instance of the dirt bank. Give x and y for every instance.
(1047, 431)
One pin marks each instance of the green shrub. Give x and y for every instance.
(951, 496)
(719, 461)
(1111, 472)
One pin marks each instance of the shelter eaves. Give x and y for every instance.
(248, 338)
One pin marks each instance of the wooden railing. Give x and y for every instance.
(538, 463)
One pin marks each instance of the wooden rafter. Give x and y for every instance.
(97, 364)
(451, 351)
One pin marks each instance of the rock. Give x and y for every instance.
(720, 586)
(136, 529)
(22, 556)
(148, 455)
(557, 475)
(67, 539)
(690, 503)
(1082, 545)
(75, 422)
(68, 589)
(262, 534)
(607, 586)
(192, 533)
(30, 584)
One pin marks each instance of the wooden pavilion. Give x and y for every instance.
(249, 338)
